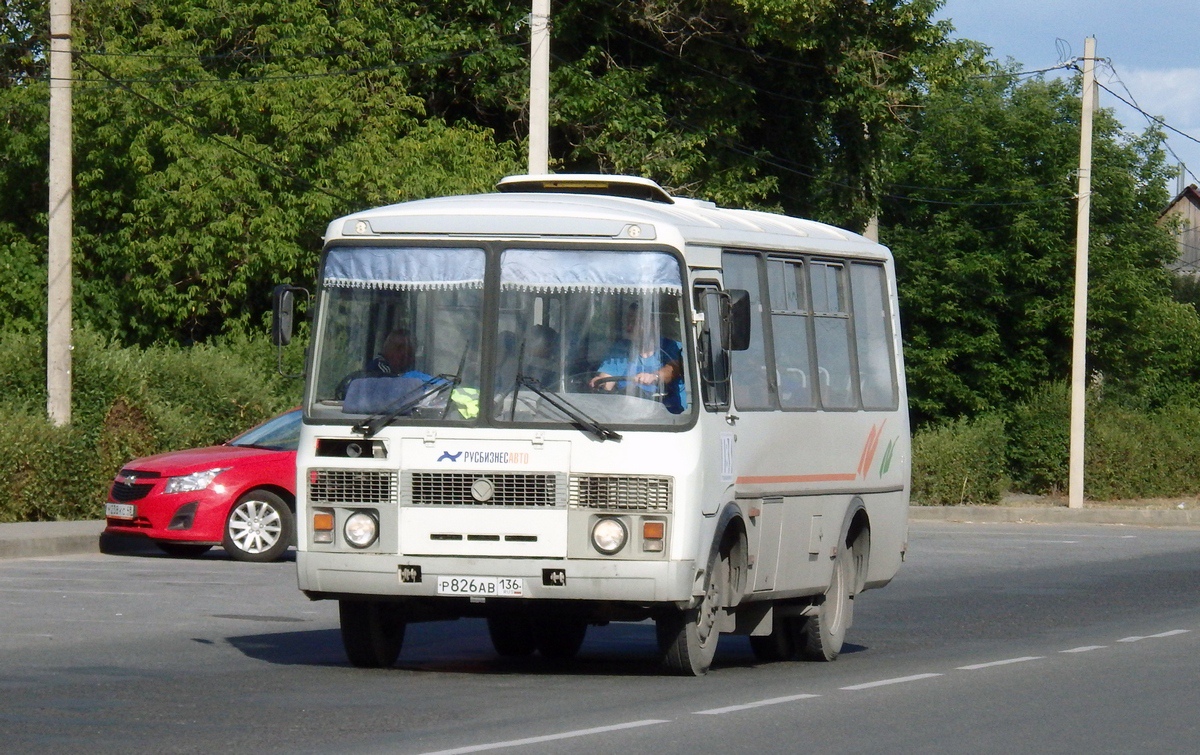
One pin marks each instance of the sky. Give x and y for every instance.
(1152, 48)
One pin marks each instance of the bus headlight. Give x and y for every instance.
(609, 535)
(361, 529)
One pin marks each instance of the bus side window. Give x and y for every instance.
(831, 320)
(753, 379)
(789, 324)
(873, 337)
(714, 359)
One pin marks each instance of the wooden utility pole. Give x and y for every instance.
(1079, 336)
(58, 313)
(539, 88)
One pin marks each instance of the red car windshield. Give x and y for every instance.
(279, 434)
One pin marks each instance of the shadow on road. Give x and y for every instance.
(133, 545)
(463, 647)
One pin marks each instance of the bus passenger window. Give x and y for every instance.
(832, 328)
(873, 338)
(789, 323)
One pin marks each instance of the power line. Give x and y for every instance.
(1154, 118)
(1133, 103)
(1018, 74)
(809, 172)
(439, 58)
(214, 138)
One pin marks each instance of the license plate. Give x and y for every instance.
(488, 587)
(120, 510)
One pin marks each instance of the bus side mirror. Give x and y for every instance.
(282, 313)
(737, 333)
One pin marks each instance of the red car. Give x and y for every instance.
(240, 495)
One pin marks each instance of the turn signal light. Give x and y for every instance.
(652, 536)
(322, 525)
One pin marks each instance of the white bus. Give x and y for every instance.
(581, 400)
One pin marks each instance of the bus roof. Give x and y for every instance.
(596, 207)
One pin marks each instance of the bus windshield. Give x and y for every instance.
(575, 337)
(600, 332)
(396, 324)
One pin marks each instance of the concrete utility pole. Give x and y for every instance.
(1079, 336)
(539, 88)
(58, 314)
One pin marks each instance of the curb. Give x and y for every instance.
(1057, 515)
(39, 539)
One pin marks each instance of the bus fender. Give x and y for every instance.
(856, 528)
(730, 517)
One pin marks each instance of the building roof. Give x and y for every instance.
(1190, 195)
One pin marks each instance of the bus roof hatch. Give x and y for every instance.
(630, 187)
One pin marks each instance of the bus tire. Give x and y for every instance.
(512, 634)
(783, 643)
(558, 638)
(688, 638)
(825, 631)
(372, 632)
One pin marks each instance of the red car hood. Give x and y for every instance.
(199, 459)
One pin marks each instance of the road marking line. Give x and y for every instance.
(886, 682)
(548, 737)
(747, 706)
(1160, 635)
(1004, 662)
(1084, 649)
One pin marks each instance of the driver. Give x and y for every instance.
(644, 361)
(397, 357)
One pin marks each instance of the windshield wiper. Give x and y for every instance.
(567, 408)
(431, 387)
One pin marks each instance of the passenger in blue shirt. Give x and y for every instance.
(646, 361)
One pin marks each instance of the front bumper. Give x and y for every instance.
(327, 575)
(174, 517)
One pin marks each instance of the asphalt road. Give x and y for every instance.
(993, 638)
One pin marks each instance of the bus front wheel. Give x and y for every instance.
(372, 632)
(558, 638)
(512, 634)
(688, 638)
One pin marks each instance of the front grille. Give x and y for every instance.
(351, 486)
(621, 493)
(455, 489)
(123, 492)
(127, 486)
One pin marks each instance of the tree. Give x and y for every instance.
(981, 215)
(215, 138)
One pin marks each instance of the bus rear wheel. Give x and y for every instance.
(372, 632)
(825, 631)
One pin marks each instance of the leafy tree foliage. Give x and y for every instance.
(981, 215)
(215, 138)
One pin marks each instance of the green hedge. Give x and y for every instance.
(126, 402)
(1129, 453)
(1137, 455)
(961, 462)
